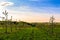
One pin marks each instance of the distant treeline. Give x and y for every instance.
(21, 23)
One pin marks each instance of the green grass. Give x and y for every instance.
(32, 33)
(26, 31)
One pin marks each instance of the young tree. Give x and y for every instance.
(6, 16)
(52, 19)
(52, 24)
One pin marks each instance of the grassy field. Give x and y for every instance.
(29, 31)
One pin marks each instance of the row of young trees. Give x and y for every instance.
(5, 13)
(51, 22)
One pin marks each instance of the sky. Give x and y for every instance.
(31, 10)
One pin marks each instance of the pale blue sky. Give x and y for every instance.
(33, 10)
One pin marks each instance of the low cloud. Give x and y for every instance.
(6, 4)
(3, 6)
